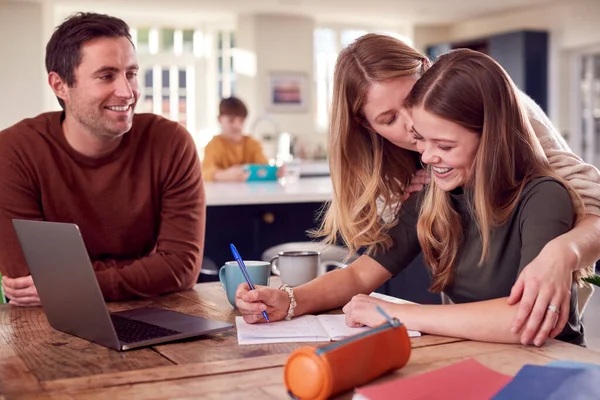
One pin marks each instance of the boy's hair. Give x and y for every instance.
(63, 51)
(233, 106)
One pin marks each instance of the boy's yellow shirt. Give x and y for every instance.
(221, 153)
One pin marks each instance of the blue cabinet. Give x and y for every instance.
(253, 228)
(523, 54)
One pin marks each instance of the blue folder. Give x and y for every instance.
(534, 382)
(572, 364)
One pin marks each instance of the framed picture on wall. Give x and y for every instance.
(288, 92)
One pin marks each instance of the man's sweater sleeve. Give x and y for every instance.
(19, 198)
(175, 262)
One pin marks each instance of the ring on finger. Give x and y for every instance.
(553, 309)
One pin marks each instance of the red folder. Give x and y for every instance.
(466, 380)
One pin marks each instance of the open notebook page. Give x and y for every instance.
(336, 328)
(307, 328)
(302, 329)
(390, 299)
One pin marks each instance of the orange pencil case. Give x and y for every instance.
(318, 373)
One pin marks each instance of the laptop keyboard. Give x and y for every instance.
(133, 331)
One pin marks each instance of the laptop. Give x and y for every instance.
(66, 283)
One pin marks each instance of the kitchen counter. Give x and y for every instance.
(305, 190)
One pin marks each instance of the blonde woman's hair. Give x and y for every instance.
(472, 90)
(366, 168)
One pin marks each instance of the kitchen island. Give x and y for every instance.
(258, 215)
(304, 190)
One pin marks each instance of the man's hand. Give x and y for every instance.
(21, 291)
(546, 281)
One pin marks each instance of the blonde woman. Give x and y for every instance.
(373, 159)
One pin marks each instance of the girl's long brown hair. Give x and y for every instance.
(365, 168)
(472, 90)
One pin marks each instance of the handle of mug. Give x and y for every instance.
(222, 277)
(274, 268)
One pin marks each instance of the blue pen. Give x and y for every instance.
(242, 266)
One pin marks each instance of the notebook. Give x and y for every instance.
(466, 380)
(307, 328)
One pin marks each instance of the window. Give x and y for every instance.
(586, 108)
(183, 75)
(327, 44)
(226, 77)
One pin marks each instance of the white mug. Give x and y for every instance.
(296, 267)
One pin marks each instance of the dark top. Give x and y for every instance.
(543, 212)
(140, 209)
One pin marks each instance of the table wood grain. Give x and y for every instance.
(38, 362)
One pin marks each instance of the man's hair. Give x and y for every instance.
(63, 51)
(233, 106)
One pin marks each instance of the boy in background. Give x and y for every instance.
(226, 153)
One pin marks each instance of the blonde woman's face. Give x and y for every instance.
(384, 110)
(448, 148)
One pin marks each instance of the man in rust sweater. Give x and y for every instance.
(131, 182)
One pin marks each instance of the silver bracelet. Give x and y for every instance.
(290, 293)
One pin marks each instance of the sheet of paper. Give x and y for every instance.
(336, 328)
(302, 329)
(391, 299)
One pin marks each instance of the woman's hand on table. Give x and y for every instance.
(252, 303)
(362, 310)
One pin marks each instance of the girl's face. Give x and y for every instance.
(384, 110)
(449, 148)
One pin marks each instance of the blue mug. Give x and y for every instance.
(231, 276)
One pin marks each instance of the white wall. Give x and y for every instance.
(577, 23)
(278, 44)
(22, 72)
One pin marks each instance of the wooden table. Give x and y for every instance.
(37, 362)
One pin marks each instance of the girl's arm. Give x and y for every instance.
(485, 321)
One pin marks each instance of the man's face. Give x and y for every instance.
(106, 89)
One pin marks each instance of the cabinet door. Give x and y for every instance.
(524, 56)
(413, 284)
(255, 228)
(285, 223)
(225, 225)
(434, 52)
